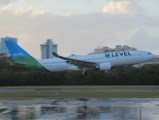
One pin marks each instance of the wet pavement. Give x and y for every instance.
(80, 109)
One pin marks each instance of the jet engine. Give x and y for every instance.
(104, 66)
(136, 66)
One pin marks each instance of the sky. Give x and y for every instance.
(79, 26)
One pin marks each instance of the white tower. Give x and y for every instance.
(47, 49)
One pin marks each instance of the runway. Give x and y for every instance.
(84, 89)
(80, 109)
(90, 102)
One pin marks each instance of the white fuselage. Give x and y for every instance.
(114, 58)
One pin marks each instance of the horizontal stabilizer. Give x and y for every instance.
(55, 54)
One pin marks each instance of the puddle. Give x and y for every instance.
(80, 109)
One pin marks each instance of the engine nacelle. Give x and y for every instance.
(104, 66)
(136, 66)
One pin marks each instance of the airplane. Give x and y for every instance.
(100, 61)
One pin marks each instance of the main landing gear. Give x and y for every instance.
(84, 74)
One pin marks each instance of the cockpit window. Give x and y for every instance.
(149, 53)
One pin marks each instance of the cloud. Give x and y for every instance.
(143, 41)
(5, 2)
(122, 7)
(75, 33)
(37, 1)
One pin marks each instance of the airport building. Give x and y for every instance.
(47, 49)
(104, 49)
(154, 61)
(3, 48)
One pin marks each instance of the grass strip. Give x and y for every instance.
(74, 95)
(85, 86)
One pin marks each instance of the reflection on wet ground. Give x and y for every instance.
(80, 109)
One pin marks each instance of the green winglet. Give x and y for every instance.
(55, 54)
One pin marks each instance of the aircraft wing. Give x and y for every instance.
(76, 62)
